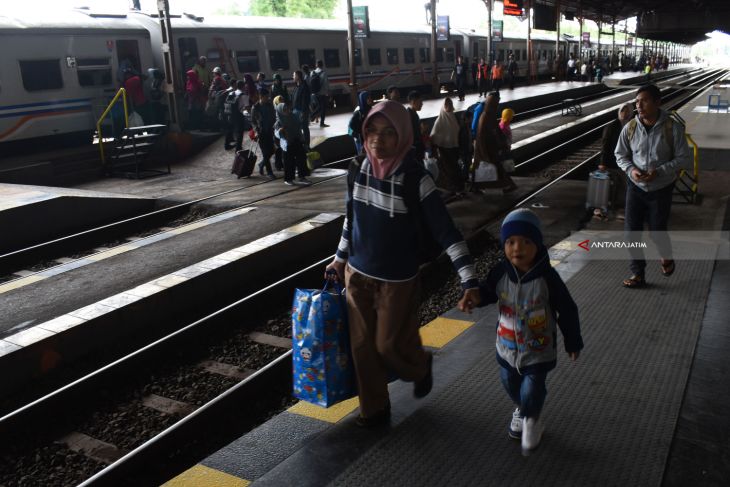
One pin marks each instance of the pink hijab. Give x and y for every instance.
(398, 116)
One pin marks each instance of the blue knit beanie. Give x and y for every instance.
(522, 222)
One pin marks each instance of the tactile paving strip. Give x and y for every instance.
(609, 417)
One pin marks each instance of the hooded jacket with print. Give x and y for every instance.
(531, 308)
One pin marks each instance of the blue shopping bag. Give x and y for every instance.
(322, 362)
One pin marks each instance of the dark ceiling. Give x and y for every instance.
(683, 21)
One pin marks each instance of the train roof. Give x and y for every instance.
(249, 22)
(69, 21)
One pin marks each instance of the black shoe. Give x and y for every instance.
(377, 420)
(423, 386)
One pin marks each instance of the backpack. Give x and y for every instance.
(230, 104)
(428, 248)
(667, 128)
(315, 83)
(473, 107)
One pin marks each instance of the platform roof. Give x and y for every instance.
(684, 21)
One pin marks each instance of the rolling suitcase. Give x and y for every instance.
(599, 190)
(244, 162)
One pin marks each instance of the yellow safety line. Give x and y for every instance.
(442, 330)
(331, 414)
(202, 476)
(23, 281)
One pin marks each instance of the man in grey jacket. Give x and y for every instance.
(651, 150)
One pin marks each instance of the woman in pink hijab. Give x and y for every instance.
(392, 209)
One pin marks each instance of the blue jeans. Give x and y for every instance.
(527, 391)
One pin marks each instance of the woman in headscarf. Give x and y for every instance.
(195, 99)
(388, 200)
(608, 159)
(354, 127)
(490, 144)
(279, 89)
(504, 125)
(288, 130)
(445, 144)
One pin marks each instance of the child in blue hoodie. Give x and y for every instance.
(533, 302)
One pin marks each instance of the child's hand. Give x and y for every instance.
(574, 356)
(469, 300)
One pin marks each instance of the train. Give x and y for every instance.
(59, 71)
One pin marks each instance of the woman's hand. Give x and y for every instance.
(339, 271)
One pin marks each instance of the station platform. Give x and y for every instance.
(643, 405)
(628, 78)
(61, 211)
(209, 170)
(709, 127)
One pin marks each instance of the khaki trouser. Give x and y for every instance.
(384, 324)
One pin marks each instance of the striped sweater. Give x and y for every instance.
(384, 235)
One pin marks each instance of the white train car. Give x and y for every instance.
(56, 72)
(270, 45)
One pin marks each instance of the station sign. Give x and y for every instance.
(586, 40)
(360, 22)
(513, 8)
(497, 29)
(442, 28)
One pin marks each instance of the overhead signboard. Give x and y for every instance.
(497, 26)
(361, 22)
(442, 27)
(586, 40)
(513, 8)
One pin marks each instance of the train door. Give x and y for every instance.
(127, 57)
(188, 49)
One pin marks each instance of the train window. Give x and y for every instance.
(544, 53)
(332, 58)
(213, 56)
(279, 60)
(475, 50)
(439, 55)
(450, 57)
(358, 57)
(374, 57)
(424, 54)
(41, 75)
(391, 54)
(307, 56)
(248, 61)
(94, 71)
(409, 55)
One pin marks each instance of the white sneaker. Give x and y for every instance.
(515, 426)
(531, 434)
